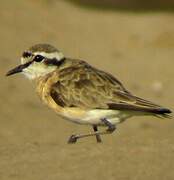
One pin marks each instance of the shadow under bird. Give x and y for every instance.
(81, 93)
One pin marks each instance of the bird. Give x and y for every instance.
(81, 93)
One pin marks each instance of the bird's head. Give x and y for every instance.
(38, 61)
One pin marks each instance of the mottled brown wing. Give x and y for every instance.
(86, 87)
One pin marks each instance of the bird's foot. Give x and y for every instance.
(73, 139)
(111, 127)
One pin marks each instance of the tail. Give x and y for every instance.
(163, 113)
(156, 110)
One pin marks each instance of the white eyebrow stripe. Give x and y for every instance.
(57, 55)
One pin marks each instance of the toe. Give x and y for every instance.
(73, 139)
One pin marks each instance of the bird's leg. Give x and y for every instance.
(98, 137)
(111, 128)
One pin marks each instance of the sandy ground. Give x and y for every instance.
(138, 48)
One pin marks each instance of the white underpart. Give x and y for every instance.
(93, 117)
(37, 69)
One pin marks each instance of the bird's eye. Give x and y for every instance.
(38, 58)
(26, 54)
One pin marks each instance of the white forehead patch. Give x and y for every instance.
(57, 55)
(23, 60)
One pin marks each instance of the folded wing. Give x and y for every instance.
(84, 86)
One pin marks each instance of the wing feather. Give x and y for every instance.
(81, 85)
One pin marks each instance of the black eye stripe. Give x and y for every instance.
(38, 58)
(54, 61)
(26, 54)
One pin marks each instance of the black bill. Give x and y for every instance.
(18, 69)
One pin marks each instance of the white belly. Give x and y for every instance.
(93, 117)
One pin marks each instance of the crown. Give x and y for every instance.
(47, 48)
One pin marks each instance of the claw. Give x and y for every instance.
(73, 139)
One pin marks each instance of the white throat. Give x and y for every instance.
(33, 72)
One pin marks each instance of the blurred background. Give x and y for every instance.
(133, 40)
